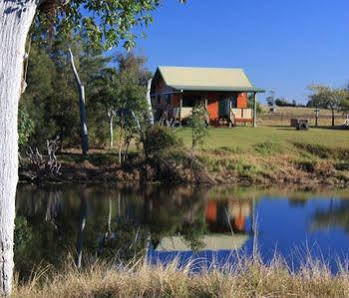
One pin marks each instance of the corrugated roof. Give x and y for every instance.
(212, 242)
(206, 79)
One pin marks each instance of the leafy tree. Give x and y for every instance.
(132, 107)
(329, 98)
(107, 22)
(198, 124)
(121, 92)
(25, 127)
(106, 95)
(56, 110)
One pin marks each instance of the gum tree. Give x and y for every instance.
(108, 22)
(328, 98)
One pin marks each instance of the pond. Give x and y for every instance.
(184, 224)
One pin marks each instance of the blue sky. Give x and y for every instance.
(284, 45)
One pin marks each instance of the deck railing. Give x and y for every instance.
(241, 115)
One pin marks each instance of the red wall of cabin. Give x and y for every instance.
(242, 100)
(213, 106)
(175, 100)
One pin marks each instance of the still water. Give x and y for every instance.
(180, 223)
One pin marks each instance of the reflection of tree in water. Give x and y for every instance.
(45, 224)
(154, 213)
(297, 203)
(115, 223)
(123, 236)
(337, 215)
(176, 211)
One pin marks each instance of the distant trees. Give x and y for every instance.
(283, 102)
(271, 98)
(334, 99)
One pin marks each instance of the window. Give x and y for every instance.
(167, 99)
(190, 101)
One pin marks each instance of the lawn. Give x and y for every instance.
(245, 137)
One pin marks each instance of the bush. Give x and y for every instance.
(197, 122)
(159, 138)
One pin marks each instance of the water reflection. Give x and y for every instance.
(336, 215)
(166, 223)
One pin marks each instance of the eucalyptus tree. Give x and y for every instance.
(131, 108)
(105, 89)
(109, 22)
(328, 98)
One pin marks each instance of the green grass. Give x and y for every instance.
(245, 138)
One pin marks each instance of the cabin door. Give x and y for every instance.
(224, 107)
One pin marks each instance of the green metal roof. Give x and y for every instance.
(217, 88)
(207, 79)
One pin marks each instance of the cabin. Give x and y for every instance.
(224, 92)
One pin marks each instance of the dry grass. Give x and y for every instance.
(282, 116)
(247, 278)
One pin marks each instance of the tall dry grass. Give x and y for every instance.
(249, 277)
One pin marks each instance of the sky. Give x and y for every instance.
(283, 45)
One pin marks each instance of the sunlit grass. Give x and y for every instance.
(248, 277)
(247, 137)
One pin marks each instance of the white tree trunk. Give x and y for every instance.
(150, 107)
(111, 128)
(83, 118)
(15, 20)
(82, 224)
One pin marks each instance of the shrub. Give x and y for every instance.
(160, 138)
(198, 125)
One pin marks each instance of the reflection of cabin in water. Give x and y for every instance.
(223, 91)
(226, 222)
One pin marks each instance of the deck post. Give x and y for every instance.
(180, 108)
(254, 110)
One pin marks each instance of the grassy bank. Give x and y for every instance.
(259, 156)
(276, 155)
(247, 278)
(245, 138)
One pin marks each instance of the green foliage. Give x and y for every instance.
(51, 97)
(23, 234)
(105, 22)
(250, 104)
(159, 138)
(329, 98)
(25, 127)
(198, 124)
